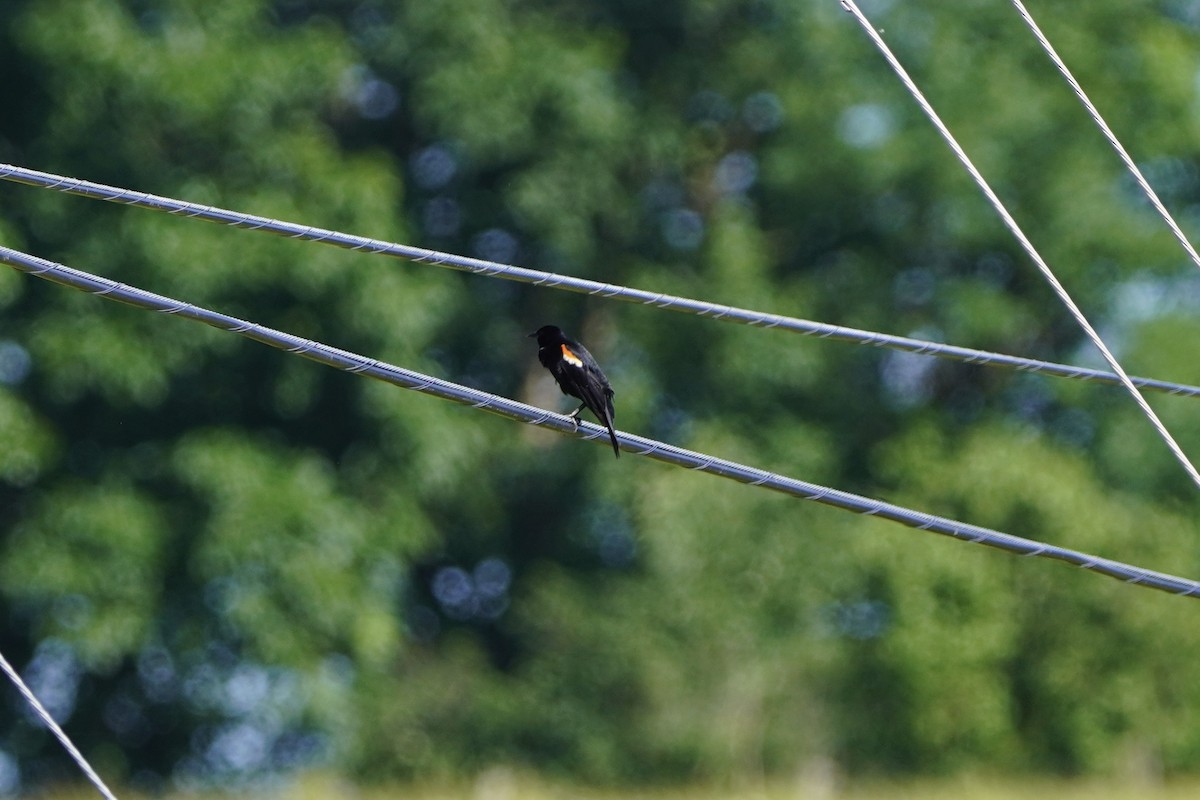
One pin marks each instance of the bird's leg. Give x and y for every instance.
(575, 414)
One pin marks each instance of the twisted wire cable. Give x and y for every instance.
(638, 445)
(1027, 245)
(1107, 131)
(492, 269)
(54, 727)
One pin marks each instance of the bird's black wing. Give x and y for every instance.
(593, 386)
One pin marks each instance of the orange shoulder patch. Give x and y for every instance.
(570, 357)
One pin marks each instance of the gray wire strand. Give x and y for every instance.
(659, 451)
(492, 269)
(1107, 131)
(58, 732)
(1016, 231)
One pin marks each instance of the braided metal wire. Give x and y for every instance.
(668, 302)
(54, 727)
(638, 445)
(1151, 195)
(1010, 223)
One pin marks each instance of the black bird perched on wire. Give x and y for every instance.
(578, 375)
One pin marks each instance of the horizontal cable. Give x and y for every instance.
(58, 732)
(560, 423)
(669, 302)
(1108, 133)
(1022, 239)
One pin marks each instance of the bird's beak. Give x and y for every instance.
(533, 335)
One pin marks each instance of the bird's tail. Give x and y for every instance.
(612, 434)
(609, 415)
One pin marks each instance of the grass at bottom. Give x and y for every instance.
(504, 784)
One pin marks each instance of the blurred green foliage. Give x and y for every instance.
(218, 562)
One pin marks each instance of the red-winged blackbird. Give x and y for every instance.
(578, 375)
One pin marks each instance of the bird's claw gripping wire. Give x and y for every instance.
(574, 415)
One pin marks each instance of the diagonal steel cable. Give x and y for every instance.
(669, 302)
(54, 727)
(1016, 231)
(639, 445)
(1107, 131)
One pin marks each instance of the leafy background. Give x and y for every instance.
(219, 563)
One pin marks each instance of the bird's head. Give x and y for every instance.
(547, 335)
